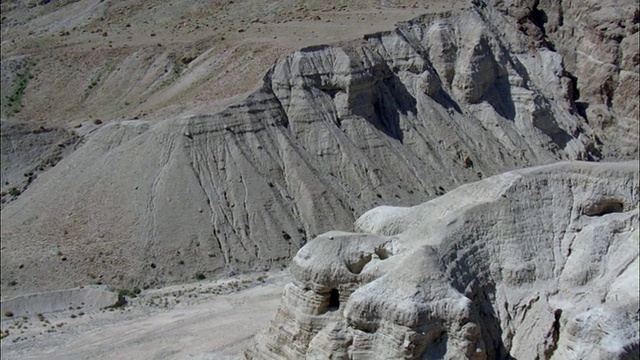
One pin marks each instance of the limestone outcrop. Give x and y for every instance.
(396, 118)
(598, 41)
(540, 263)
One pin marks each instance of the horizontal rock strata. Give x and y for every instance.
(395, 118)
(540, 263)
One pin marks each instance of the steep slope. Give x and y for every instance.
(27, 151)
(599, 45)
(395, 118)
(540, 263)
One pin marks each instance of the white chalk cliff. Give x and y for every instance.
(540, 263)
(395, 118)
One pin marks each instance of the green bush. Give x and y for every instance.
(14, 101)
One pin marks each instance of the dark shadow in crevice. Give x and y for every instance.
(487, 319)
(581, 108)
(436, 349)
(631, 352)
(603, 207)
(358, 266)
(538, 17)
(500, 98)
(393, 99)
(560, 138)
(331, 92)
(330, 303)
(443, 98)
(544, 120)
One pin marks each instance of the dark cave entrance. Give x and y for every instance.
(334, 300)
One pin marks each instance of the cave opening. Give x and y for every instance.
(334, 300)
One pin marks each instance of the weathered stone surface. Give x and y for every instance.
(535, 263)
(395, 118)
(87, 298)
(598, 41)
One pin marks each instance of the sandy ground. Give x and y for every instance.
(88, 56)
(205, 320)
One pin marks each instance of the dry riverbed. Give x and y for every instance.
(203, 320)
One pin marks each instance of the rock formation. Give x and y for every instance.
(88, 298)
(598, 42)
(397, 117)
(540, 263)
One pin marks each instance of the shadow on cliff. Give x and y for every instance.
(483, 298)
(446, 101)
(393, 100)
(500, 98)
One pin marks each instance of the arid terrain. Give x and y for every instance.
(150, 144)
(113, 60)
(205, 320)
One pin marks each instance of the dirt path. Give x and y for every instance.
(197, 323)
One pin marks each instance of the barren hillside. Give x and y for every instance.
(148, 142)
(94, 59)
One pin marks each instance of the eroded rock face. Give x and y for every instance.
(598, 41)
(398, 117)
(534, 263)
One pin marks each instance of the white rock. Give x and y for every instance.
(534, 263)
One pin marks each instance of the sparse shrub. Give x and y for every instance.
(200, 276)
(130, 293)
(8, 314)
(13, 105)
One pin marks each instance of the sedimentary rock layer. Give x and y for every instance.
(540, 263)
(397, 117)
